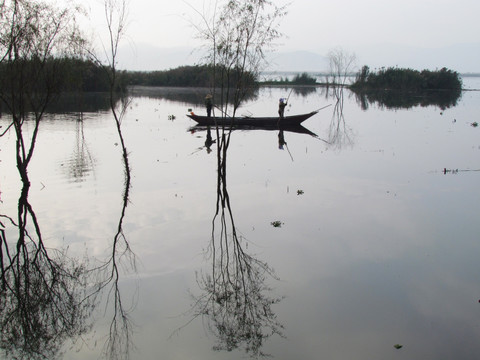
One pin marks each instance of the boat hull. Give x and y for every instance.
(292, 120)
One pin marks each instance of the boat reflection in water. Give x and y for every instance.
(235, 300)
(209, 141)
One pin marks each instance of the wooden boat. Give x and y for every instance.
(292, 120)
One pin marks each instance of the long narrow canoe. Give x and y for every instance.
(292, 120)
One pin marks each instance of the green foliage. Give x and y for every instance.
(407, 79)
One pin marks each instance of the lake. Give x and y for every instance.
(361, 242)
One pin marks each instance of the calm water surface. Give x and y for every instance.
(378, 245)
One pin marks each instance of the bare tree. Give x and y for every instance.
(119, 342)
(236, 301)
(34, 35)
(237, 35)
(116, 16)
(341, 64)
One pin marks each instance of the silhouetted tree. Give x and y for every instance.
(237, 36)
(341, 63)
(34, 35)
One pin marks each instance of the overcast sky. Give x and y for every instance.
(317, 25)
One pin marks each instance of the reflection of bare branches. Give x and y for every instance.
(119, 341)
(339, 133)
(82, 161)
(235, 299)
(43, 293)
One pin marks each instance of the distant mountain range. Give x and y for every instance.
(463, 58)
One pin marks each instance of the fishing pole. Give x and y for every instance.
(223, 112)
(290, 93)
(324, 107)
(289, 153)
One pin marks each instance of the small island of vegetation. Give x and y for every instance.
(405, 88)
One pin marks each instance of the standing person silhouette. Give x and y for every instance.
(209, 104)
(281, 107)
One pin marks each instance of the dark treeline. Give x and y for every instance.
(407, 79)
(299, 79)
(186, 76)
(88, 76)
(71, 74)
(183, 76)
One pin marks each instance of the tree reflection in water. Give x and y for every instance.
(119, 342)
(81, 162)
(47, 298)
(236, 300)
(339, 134)
(43, 293)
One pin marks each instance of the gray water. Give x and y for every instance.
(378, 242)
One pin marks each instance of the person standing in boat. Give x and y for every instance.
(209, 104)
(281, 107)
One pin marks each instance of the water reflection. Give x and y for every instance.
(186, 95)
(298, 129)
(300, 90)
(44, 297)
(47, 298)
(235, 300)
(81, 162)
(119, 341)
(391, 99)
(339, 134)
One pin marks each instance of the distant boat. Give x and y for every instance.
(292, 120)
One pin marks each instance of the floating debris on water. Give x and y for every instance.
(276, 223)
(456, 171)
(397, 346)
(300, 192)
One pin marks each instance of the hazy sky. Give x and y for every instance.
(318, 25)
